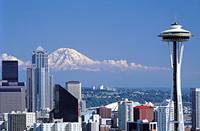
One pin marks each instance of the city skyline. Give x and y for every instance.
(103, 31)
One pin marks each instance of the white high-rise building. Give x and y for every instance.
(195, 97)
(39, 82)
(125, 112)
(165, 114)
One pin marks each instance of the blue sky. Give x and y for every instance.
(104, 29)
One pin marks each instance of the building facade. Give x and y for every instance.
(104, 112)
(12, 92)
(66, 105)
(39, 82)
(64, 126)
(20, 121)
(125, 112)
(165, 114)
(143, 112)
(10, 70)
(12, 98)
(74, 87)
(142, 126)
(195, 97)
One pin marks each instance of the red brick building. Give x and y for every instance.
(104, 112)
(144, 112)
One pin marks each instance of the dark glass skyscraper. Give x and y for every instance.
(66, 105)
(10, 71)
(12, 92)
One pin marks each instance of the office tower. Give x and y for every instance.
(51, 85)
(195, 97)
(12, 92)
(12, 98)
(104, 112)
(74, 87)
(165, 114)
(38, 81)
(66, 105)
(20, 121)
(142, 126)
(175, 36)
(30, 96)
(125, 113)
(16, 122)
(10, 70)
(144, 113)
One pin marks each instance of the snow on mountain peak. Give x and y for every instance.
(67, 58)
(70, 59)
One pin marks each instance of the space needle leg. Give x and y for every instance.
(175, 98)
(180, 106)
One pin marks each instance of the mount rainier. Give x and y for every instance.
(70, 59)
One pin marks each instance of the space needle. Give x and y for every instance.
(175, 36)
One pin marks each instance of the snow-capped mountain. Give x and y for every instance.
(70, 59)
(66, 58)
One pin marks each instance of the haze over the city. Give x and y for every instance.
(118, 37)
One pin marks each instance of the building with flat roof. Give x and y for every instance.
(12, 97)
(74, 87)
(20, 121)
(104, 112)
(195, 97)
(144, 112)
(125, 113)
(10, 70)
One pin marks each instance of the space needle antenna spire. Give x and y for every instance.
(175, 36)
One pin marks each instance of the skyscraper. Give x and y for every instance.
(74, 87)
(66, 105)
(12, 98)
(125, 113)
(165, 114)
(16, 122)
(20, 121)
(30, 97)
(38, 81)
(12, 92)
(10, 70)
(195, 97)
